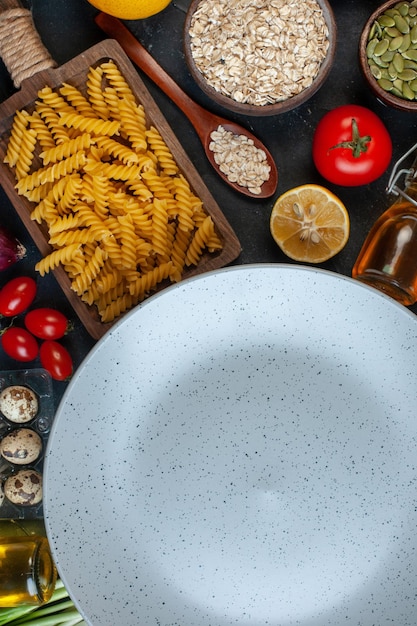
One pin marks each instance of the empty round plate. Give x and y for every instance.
(242, 449)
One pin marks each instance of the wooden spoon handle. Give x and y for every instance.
(139, 55)
(21, 47)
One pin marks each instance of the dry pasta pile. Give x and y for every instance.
(121, 217)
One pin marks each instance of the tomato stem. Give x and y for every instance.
(3, 330)
(357, 144)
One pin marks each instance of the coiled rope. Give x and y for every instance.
(21, 48)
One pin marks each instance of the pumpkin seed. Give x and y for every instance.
(413, 85)
(392, 12)
(386, 20)
(375, 71)
(413, 34)
(370, 48)
(402, 24)
(406, 43)
(381, 47)
(388, 56)
(410, 54)
(395, 43)
(407, 75)
(403, 8)
(380, 62)
(398, 62)
(392, 72)
(397, 92)
(408, 93)
(392, 32)
(385, 73)
(385, 84)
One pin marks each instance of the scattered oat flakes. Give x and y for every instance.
(239, 159)
(259, 51)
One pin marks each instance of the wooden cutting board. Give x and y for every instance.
(75, 72)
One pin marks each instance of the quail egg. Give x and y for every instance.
(19, 404)
(24, 488)
(21, 447)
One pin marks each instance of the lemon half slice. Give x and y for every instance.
(310, 223)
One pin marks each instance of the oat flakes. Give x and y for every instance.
(239, 159)
(259, 51)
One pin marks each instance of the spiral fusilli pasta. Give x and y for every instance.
(199, 241)
(131, 125)
(26, 153)
(90, 124)
(95, 92)
(117, 81)
(77, 100)
(90, 270)
(66, 149)
(160, 149)
(61, 256)
(121, 217)
(20, 122)
(43, 134)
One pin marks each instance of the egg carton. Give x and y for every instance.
(38, 381)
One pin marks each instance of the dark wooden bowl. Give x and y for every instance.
(269, 109)
(382, 95)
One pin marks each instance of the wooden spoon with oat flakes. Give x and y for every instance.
(252, 170)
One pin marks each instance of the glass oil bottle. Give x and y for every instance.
(27, 571)
(388, 258)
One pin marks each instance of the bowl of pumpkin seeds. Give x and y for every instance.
(388, 53)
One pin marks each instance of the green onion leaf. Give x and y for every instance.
(59, 611)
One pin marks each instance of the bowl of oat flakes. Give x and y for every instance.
(259, 57)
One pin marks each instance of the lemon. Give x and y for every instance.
(130, 9)
(309, 223)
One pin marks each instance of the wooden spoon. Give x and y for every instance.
(203, 121)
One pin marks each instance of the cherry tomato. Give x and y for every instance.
(351, 146)
(46, 323)
(56, 359)
(19, 344)
(17, 295)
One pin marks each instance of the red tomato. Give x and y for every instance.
(17, 295)
(19, 344)
(351, 146)
(56, 359)
(46, 323)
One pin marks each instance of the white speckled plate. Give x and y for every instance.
(242, 449)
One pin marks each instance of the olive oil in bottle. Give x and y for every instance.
(27, 571)
(388, 258)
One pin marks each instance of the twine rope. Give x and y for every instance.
(21, 48)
